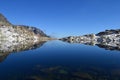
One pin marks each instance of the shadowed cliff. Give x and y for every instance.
(4, 21)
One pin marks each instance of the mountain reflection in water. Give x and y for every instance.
(7, 47)
(57, 60)
(110, 45)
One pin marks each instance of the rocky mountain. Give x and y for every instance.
(4, 21)
(108, 32)
(34, 29)
(12, 32)
(104, 36)
(108, 39)
(16, 38)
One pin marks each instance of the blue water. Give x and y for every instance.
(57, 60)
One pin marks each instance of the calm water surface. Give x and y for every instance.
(56, 60)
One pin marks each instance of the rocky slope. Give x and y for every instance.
(4, 21)
(16, 38)
(19, 33)
(109, 39)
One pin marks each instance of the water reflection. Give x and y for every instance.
(53, 62)
(107, 45)
(7, 47)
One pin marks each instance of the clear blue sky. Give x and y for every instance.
(62, 18)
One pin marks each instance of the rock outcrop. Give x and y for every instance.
(109, 39)
(13, 33)
(34, 29)
(4, 21)
(16, 38)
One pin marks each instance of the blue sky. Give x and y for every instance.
(60, 18)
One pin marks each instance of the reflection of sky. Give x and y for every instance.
(64, 17)
(57, 53)
(60, 53)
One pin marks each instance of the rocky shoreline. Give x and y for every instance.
(109, 39)
(16, 38)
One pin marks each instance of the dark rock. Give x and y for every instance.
(3, 20)
(35, 30)
(108, 32)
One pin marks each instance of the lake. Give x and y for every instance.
(57, 60)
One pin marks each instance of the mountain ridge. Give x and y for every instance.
(5, 22)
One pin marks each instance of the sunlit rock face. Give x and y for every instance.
(109, 39)
(19, 33)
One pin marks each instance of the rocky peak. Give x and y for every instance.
(21, 28)
(33, 29)
(4, 21)
(108, 32)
